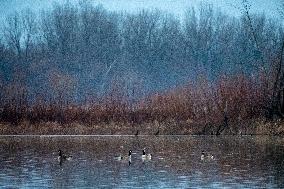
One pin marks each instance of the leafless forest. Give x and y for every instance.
(86, 65)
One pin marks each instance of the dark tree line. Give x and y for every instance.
(74, 54)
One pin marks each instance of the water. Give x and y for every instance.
(239, 162)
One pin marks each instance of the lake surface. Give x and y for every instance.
(239, 162)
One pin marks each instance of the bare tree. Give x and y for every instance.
(246, 7)
(13, 32)
(29, 31)
(277, 102)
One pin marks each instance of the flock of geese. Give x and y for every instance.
(144, 157)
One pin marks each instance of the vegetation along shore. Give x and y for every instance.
(86, 70)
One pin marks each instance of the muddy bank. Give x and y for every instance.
(169, 127)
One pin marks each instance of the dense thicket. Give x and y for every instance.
(85, 54)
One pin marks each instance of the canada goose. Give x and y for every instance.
(61, 157)
(146, 156)
(206, 156)
(123, 158)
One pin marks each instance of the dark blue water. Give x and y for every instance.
(247, 162)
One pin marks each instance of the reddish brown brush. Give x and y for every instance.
(239, 97)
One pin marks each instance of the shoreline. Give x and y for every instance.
(91, 135)
(167, 128)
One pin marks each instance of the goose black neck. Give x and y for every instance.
(60, 153)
